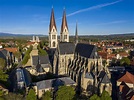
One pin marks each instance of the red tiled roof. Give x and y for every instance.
(132, 98)
(123, 54)
(30, 43)
(127, 78)
(11, 49)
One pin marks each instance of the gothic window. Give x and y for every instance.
(62, 60)
(53, 30)
(54, 44)
(53, 37)
(65, 36)
(65, 30)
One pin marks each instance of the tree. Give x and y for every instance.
(31, 95)
(25, 59)
(65, 93)
(94, 97)
(3, 76)
(27, 55)
(2, 63)
(125, 61)
(47, 96)
(41, 51)
(1, 93)
(17, 54)
(13, 96)
(105, 96)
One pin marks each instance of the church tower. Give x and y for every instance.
(76, 35)
(64, 34)
(52, 32)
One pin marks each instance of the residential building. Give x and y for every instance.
(52, 85)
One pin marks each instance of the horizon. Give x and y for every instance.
(94, 18)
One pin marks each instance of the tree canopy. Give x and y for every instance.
(13, 96)
(94, 97)
(41, 51)
(17, 54)
(31, 95)
(3, 76)
(27, 55)
(47, 96)
(2, 63)
(125, 61)
(104, 96)
(65, 93)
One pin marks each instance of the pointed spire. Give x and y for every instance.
(64, 22)
(52, 21)
(76, 34)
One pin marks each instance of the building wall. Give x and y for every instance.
(130, 85)
(107, 87)
(64, 36)
(63, 63)
(53, 38)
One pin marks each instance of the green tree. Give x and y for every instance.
(41, 51)
(27, 55)
(94, 97)
(65, 93)
(17, 54)
(31, 95)
(125, 61)
(105, 96)
(13, 96)
(25, 59)
(2, 63)
(47, 96)
(3, 76)
(1, 93)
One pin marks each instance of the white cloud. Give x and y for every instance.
(92, 8)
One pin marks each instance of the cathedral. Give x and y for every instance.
(79, 61)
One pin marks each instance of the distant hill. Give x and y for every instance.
(17, 35)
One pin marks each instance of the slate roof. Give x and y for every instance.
(85, 50)
(5, 52)
(42, 59)
(105, 79)
(66, 48)
(101, 74)
(89, 75)
(2, 55)
(49, 83)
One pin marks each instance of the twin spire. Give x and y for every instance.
(53, 24)
(64, 33)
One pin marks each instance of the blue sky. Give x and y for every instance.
(93, 16)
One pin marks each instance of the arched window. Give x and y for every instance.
(54, 44)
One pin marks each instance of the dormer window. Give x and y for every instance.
(53, 30)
